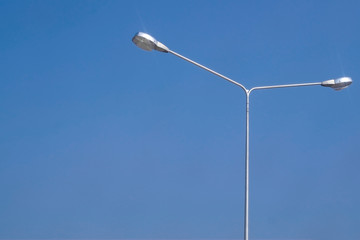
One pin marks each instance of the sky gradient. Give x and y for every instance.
(102, 140)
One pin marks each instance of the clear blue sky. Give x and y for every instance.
(102, 140)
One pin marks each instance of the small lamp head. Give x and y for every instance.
(148, 43)
(338, 83)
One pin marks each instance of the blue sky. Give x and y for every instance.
(102, 140)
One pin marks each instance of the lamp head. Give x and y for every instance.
(148, 43)
(338, 83)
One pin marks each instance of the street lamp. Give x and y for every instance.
(148, 43)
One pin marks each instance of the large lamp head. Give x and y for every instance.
(338, 83)
(148, 43)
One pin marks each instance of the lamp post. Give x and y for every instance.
(148, 43)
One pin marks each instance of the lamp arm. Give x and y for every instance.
(207, 69)
(286, 86)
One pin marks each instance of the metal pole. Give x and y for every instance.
(246, 220)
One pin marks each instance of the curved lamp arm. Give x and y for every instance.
(285, 86)
(207, 69)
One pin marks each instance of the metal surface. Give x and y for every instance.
(147, 42)
(286, 86)
(338, 83)
(247, 135)
(207, 69)
(144, 41)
